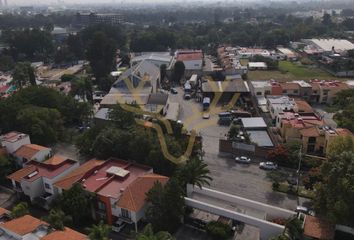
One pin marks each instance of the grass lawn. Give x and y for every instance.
(290, 71)
(284, 187)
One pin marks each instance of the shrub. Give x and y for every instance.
(218, 230)
(275, 185)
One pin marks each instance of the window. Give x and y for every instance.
(101, 206)
(125, 213)
(315, 91)
(259, 93)
(267, 92)
(284, 91)
(47, 186)
(296, 91)
(325, 93)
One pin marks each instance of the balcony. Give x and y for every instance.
(125, 219)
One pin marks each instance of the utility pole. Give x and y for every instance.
(298, 169)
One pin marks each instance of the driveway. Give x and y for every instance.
(246, 181)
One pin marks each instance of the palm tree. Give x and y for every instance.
(148, 234)
(194, 172)
(57, 219)
(99, 232)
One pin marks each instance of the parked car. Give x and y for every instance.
(118, 226)
(243, 159)
(206, 115)
(268, 165)
(187, 96)
(173, 91)
(302, 209)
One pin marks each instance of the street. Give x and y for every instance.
(242, 180)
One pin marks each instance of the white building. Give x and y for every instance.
(279, 104)
(257, 66)
(36, 179)
(157, 59)
(261, 88)
(31, 152)
(13, 141)
(316, 46)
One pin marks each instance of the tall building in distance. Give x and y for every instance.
(85, 19)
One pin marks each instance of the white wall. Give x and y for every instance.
(42, 155)
(32, 189)
(193, 64)
(11, 147)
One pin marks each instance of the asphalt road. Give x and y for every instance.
(242, 180)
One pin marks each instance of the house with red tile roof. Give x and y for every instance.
(192, 59)
(28, 227)
(31, 152)
(35, 180)
(120, 187)
(14, 140)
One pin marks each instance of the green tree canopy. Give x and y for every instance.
(335, 194)
(99, 232)
(24, 75)
(19, 210)
(57, 219)
(178, 71)
(7, 63)
(194, 172)
(165, 206)
(148, 234)
(101, 52)
(5, 167)
(76, 202)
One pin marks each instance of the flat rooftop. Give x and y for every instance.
(236, 85)
(261, 138)
(13, 136)
(253, 122)
(110, 185)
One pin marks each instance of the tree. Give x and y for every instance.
(99, 232)
(82, 87)
(165, 206)
(57, 219)
(218, 230)
(178, 71)
(279, 154)
(6, 63)
(19, 210)
(5, 167)
(340, 145)
(101, 52)
(121, 118)
(334, 195)
(68, 78)
(76, 202)
(327, 19)
(24, 75)
(194, 172)
(148, 234)
(44, 125)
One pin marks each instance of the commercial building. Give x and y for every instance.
(134, 85)
(85, 19)
(192, 59)
(257, 66)
(31, 228)
(158, 58)
(327, 46)
(256, 128)
(289, 54)
(35, 180)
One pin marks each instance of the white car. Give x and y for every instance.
(268, 165)
(206, 115)
(242, 159)
(118, 226)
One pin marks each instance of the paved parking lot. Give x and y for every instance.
(243, 180)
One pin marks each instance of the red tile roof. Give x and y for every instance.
(303, 106)
(310, 132)
(23, 225)
(133, 197)
(67, 234)
(42, 169)
(190, 56)
(318, 228)
(70, 179)
(27, 224)
(29, 150)
(4, 211)
(55, 160)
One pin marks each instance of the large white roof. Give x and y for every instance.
(338, 44)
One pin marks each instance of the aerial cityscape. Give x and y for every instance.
(177, 120)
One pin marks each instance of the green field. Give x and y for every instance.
(290, 71)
